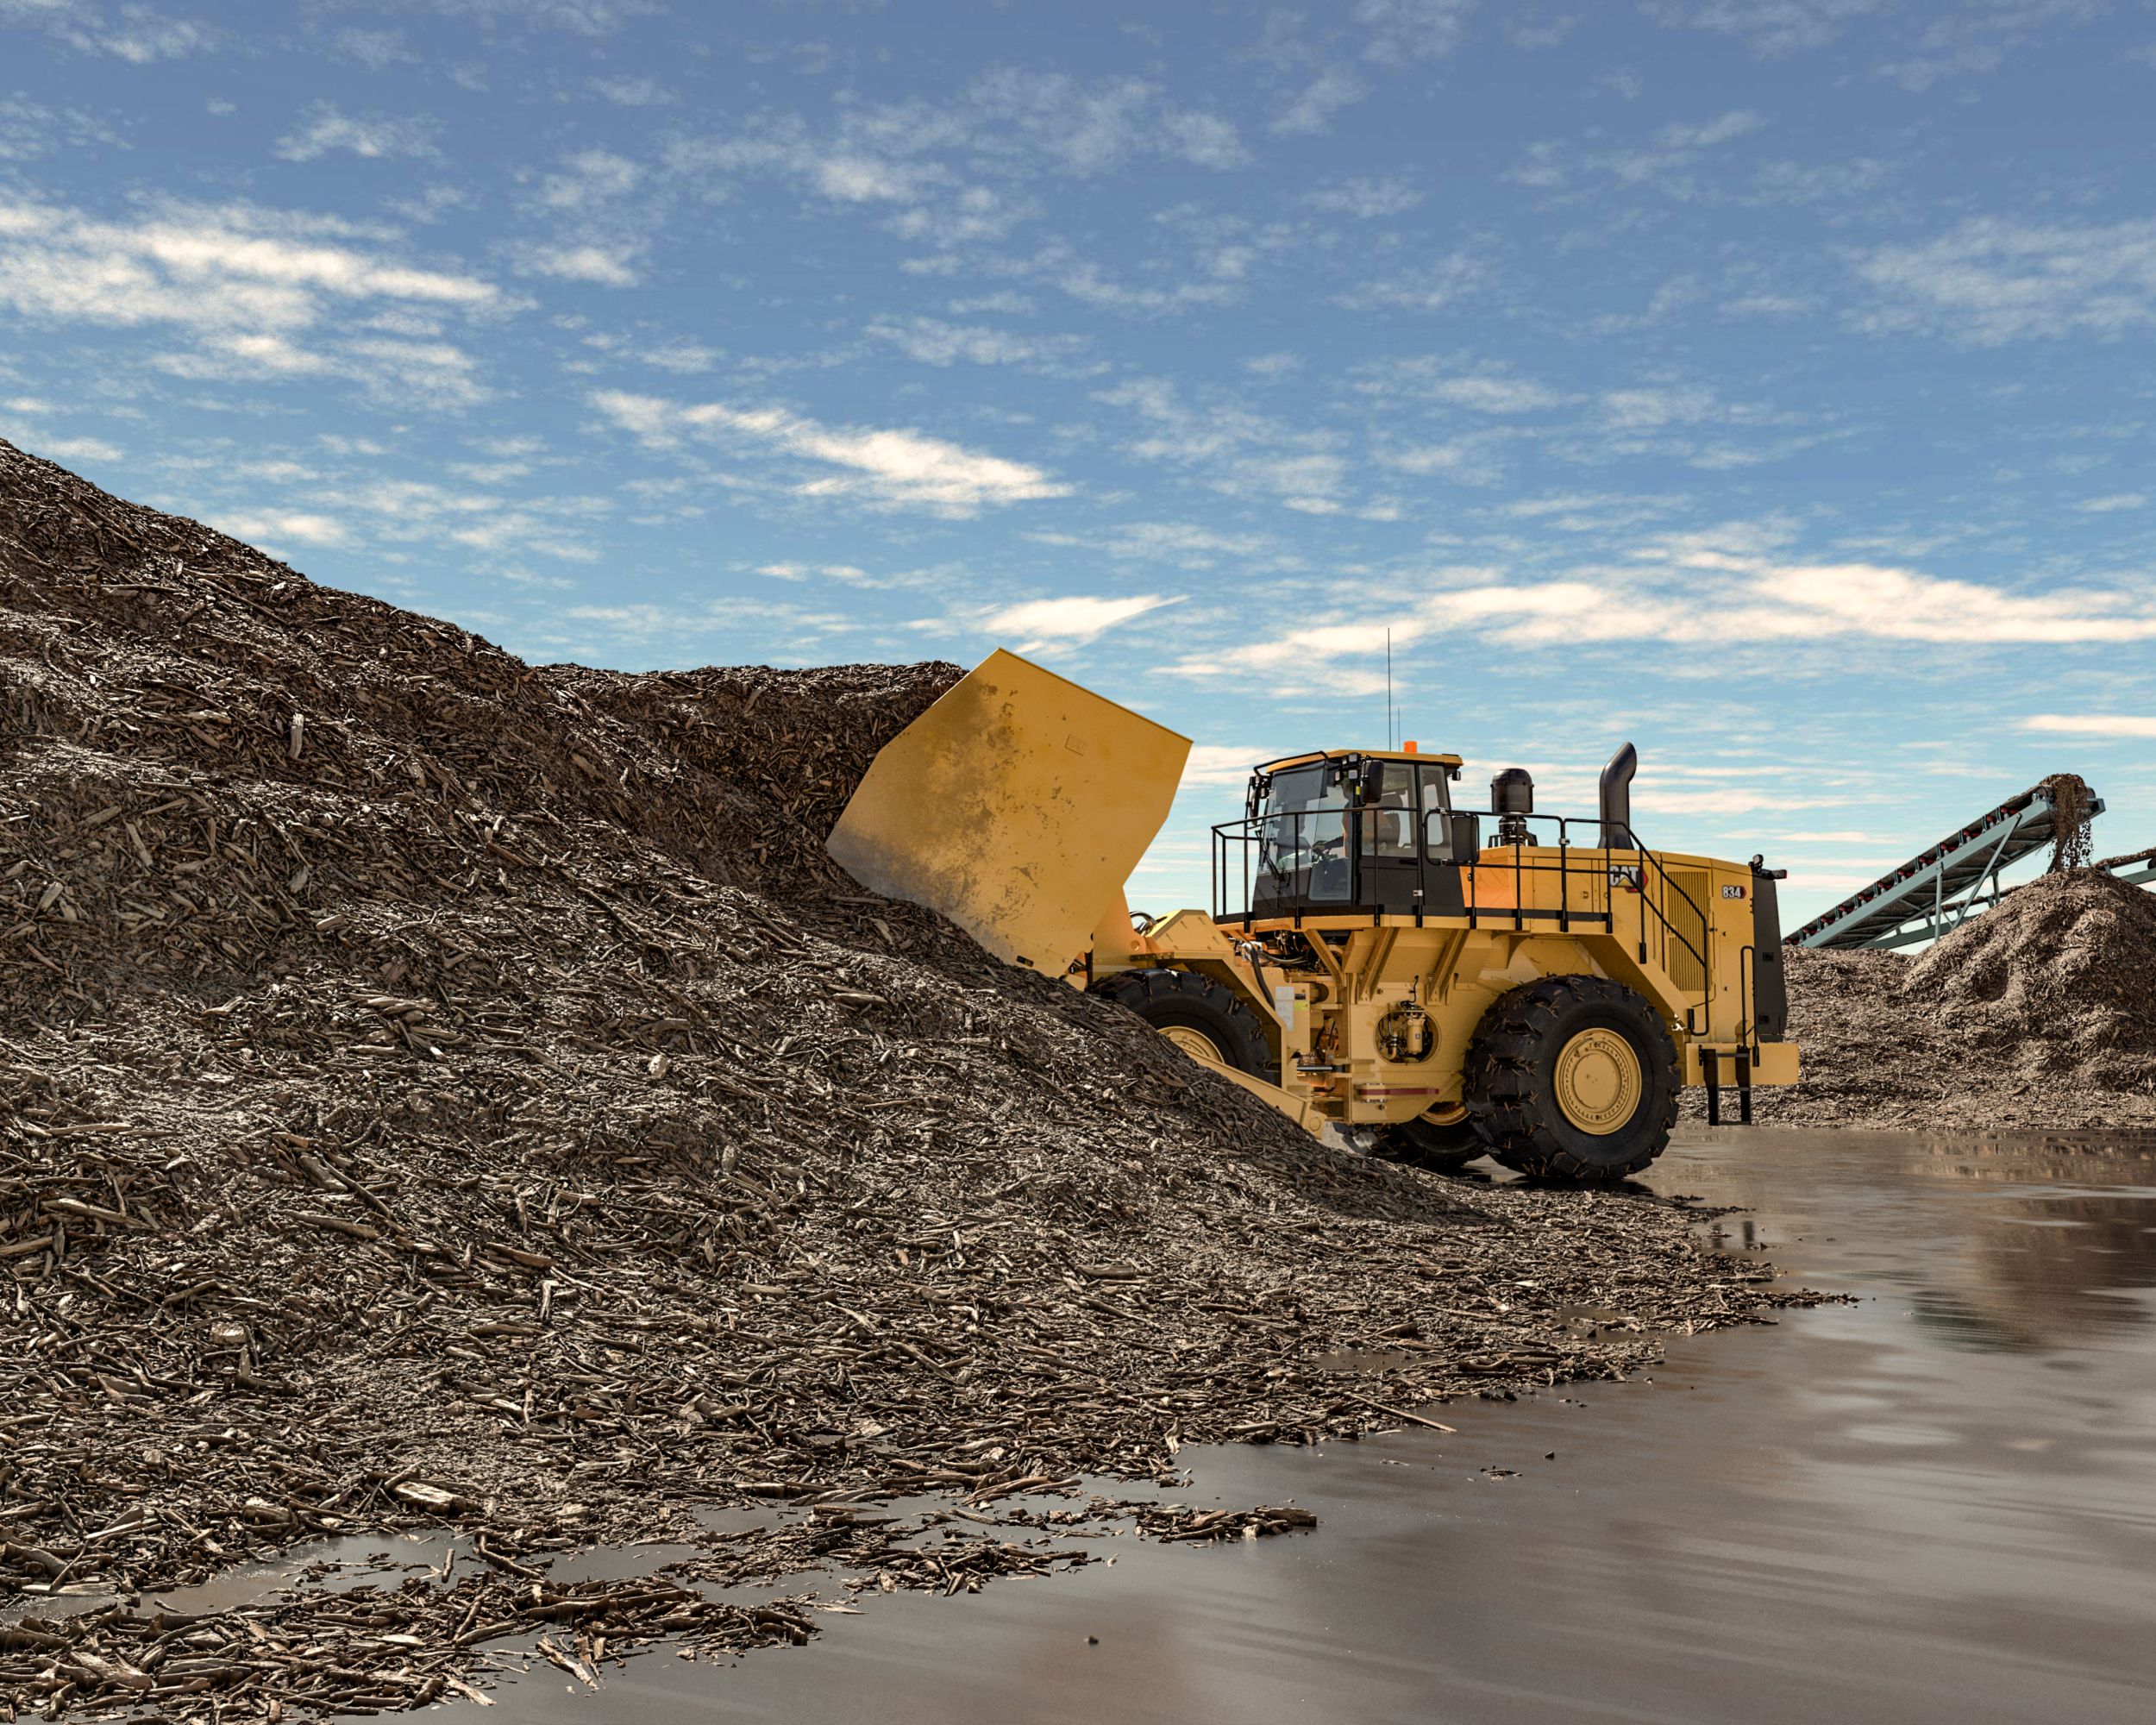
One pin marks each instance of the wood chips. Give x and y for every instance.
(443, 1093)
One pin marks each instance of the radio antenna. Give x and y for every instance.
(1388, 689)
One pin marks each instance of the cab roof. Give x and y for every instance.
(1419, 756)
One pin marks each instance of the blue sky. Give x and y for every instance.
(1767, 382)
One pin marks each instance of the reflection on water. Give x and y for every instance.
(2071, 1229)
(1938, 1504)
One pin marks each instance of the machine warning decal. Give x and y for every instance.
(1732, 891)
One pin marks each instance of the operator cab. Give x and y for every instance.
(1333, 831)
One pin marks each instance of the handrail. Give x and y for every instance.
(1707, 923)
(1264, 831)
(1748, 997)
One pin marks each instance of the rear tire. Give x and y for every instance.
(1198, 1014)
(1573, 1078)
(1442, 1147)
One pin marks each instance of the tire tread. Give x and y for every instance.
(1515, 1112)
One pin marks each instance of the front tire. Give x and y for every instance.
(1573, 1078)
(1198, 1014)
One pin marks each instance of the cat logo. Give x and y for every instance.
(1625, 875)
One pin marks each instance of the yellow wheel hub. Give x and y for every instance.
(1598, 1081)
(1194, 1042)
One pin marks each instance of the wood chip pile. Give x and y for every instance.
(2038, 1014)
(438, 1091)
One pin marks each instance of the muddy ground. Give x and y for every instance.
(441, 1091)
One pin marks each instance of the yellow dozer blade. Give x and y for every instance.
(1017, 806)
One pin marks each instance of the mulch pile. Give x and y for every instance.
(2040, 1013)
(438, 1091)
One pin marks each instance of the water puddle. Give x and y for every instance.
(1938, 1503)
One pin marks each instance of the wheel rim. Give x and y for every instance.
(1194, 1042)
(1598, 1081)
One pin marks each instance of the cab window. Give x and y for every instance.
(1302, 845)
(1388, 819)
(1436, 814)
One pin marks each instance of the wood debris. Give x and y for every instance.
(440, 1093)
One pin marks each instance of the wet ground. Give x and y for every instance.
(1936, 1503)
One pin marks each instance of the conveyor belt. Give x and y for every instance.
(2140, 866)
(1941, 887)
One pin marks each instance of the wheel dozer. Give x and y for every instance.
(1433, 981)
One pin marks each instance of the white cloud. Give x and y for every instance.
(222, 356)
(274, 528)
(1223, 763)
(2113, 505)
(417, 510)
(781, 148)
(208, 266)
(30, 129)
(588, 178)
(53, 446)
(937, 343)
(592, 263)
(1065, 622)
(940, 173)
(1769, 28)
(1991, 280)
(1059, 266)
(577, 17)
(323, 129)
(376, 50)
(1184, 544)
(848, 573)
(1367, 197)
(1727, 801)
(898, 468)
(1234, 450)
(634, 92)
(1429, 287)
(249, 286)
(1970, 39)
(1413, 29)
(1312, 111)
(774, 633)
(135, 32)
(2093, 724)
(1493, 393)
(1687, 594)
(1476, 460)
(673, 354)
(1668, 161)
(601, 221)
(437, 374)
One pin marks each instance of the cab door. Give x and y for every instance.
(1387, 825)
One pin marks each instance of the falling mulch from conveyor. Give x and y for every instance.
(2038, 1014)
(438, 1091)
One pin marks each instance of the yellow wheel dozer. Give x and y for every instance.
(1374, 963)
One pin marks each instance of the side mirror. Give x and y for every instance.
(1452, 838)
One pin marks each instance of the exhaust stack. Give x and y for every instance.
(1616, 802)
